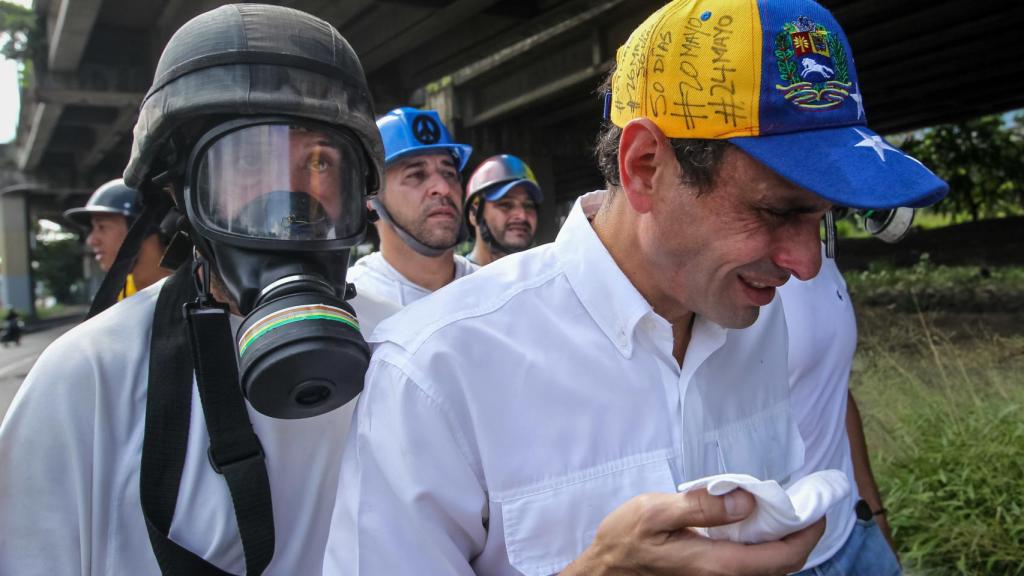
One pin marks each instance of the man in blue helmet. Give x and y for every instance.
(501, 207)
(420, 210)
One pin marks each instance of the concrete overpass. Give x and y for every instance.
(509, 75)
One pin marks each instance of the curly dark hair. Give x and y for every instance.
(699, 159)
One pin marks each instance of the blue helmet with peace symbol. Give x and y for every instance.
(408, 131)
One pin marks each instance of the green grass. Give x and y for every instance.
(926, 286)
(942, 396)
(51, 312)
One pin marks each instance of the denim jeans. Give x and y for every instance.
(865, 553)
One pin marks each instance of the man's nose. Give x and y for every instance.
(92, 239)
(798, 251)
(439, 185)
(518, 212)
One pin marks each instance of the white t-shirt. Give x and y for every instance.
(508, 414)
(374, 276)
(822, 340)
(70, 456)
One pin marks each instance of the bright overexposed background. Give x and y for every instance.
(10, 103)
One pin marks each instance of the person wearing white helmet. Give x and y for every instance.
(419, 211)
(501, 208)
(107, 216)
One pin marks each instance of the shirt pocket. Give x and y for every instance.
(546, 529)
(766, 446)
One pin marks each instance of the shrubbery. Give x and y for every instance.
(926, 286)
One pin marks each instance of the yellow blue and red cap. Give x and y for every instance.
(409, 131)
(777, 79)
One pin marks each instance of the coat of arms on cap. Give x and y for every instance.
(812, 65)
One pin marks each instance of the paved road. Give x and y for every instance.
(16, 361)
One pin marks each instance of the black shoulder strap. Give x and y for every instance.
(234, 448)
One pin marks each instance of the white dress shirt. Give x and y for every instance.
(70, 456)
(505, 416)
(822, 340)
(374, 276)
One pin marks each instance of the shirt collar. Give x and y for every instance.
(605, 292)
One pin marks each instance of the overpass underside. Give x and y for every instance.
(515, 76)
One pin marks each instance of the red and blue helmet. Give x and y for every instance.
(497, 175)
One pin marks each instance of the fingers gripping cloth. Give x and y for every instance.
(778, 511)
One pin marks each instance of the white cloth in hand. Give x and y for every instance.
(778, 512)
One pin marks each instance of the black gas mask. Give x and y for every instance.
(274, 205)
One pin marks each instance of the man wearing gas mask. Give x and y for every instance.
(501, 208)
(419, 209)
(197, 427)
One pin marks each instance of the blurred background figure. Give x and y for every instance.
(501, 207)
(12, 329)
(108, 215)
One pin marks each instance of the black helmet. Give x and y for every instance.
(111, 198)
(245, 60)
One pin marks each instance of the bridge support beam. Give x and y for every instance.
(15, 268)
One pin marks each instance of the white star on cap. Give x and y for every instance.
(859, 100)
(874, 142)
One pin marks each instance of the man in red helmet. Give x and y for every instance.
(501, 206)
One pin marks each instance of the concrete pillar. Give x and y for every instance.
(15, 273)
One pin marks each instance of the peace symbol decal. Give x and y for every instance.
(426, 130)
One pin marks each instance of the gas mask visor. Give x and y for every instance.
(277, 203)
(274, 184)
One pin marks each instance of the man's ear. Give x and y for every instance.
(471, 212)
(641, 148)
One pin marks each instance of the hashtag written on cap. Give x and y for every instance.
(777, 79)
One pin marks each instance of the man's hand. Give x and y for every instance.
(650, 535)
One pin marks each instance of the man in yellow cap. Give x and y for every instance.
(539, 415)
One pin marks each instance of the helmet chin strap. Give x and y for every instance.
(488, 237)
(409, 239)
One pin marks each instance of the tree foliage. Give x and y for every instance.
(983, 161)
(59, 267)
(18, 27)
